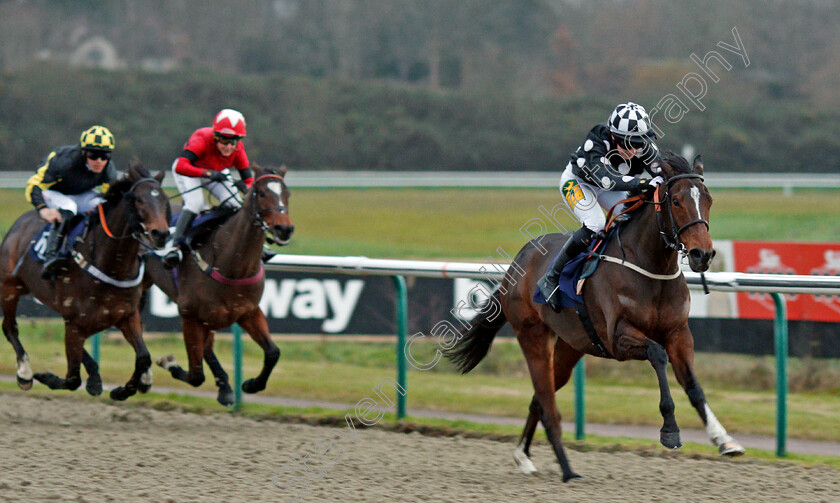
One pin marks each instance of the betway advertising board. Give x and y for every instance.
(304, 303)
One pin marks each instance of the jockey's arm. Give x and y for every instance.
(603, 174)
(186, 166)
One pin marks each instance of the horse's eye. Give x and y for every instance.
(676, 203)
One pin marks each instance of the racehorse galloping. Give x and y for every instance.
(221, 282)
(100, 288)
(639, 314)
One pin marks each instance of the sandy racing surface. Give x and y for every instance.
(65, 449)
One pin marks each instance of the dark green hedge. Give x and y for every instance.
(327, 124)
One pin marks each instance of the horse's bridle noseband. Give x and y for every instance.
(673, 240)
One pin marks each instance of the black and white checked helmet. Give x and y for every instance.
(629, 120)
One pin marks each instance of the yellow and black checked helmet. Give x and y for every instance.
(97, 138)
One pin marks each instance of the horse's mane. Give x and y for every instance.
(118, 189)
(679, 164)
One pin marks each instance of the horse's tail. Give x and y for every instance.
(474, 342)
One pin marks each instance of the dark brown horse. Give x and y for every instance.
(221, 283)
(99, 289)
(638, 313)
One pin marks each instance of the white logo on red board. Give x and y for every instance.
(831, 267)
(769, 262)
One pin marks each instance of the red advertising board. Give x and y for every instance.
(770, 257)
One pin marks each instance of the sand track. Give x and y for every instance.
(65, 449)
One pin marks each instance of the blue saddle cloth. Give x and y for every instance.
(580, 267)
(39, 239)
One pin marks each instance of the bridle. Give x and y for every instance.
(258, 213)
(672, 240)
(141, 234)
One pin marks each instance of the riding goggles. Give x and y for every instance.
(227, 140)
(96, 155)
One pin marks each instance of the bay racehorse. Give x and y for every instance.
(220, 282)
(100, 287)
(637, 303)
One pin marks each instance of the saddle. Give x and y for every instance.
(204, 223)
(79, 225)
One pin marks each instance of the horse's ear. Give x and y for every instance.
(283, 170)
(160, 176)
(698, 164)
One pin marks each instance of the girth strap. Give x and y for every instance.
(216, 275)
(583, 314)
(101, 276)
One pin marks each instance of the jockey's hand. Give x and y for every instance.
(655, 181)
(215, 176)
(50, 215)
(242, 186)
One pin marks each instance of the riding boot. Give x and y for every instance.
(185, 220)
(576, 244)
(54, 259)
(267, 254)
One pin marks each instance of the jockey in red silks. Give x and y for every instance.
(206, 161)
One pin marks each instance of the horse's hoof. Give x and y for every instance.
(120, 393)
(731, 448)
(166, 361)
(94, 385)
(523, 462)
(571, 476)
(226, 397)
(24, 384)
(670, 440)
(146, 381)
(251, 386)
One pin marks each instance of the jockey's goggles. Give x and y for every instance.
(630, 142)
(96, 155)
(227, 140)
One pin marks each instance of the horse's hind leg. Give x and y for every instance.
(257, 327)
(565, 358)
(132, 330)
(632, 344)
(74, 340)
(94, 380)
(681, 353)
(11, 295)
(195, 333)
(226, 396)
(536, 342)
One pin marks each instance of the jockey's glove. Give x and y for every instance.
(215, 176)
(242, 186)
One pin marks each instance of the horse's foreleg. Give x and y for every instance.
(565, 358)
(681, 353)
(11, 295)
(632, 344)
(226, 396)
(74, 340)
(257, 327)
(195, 334)
(132, 329)
(536, 343)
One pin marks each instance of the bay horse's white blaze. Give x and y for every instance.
(695, 194)
(275, 187)
(717, 433)
(24, 370)
(522, 460)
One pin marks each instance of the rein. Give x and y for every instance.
(95, 271)
(672, 241)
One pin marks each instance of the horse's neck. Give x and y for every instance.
(642, 244)
(237, 245)
(116, 255)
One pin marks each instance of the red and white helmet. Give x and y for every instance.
(229, 122)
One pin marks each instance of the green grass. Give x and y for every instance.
(473, 223)
(616, 393)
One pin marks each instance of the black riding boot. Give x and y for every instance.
(576, 244)
(54, 260)
(185, 219)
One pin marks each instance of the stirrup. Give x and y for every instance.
(173, 258)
